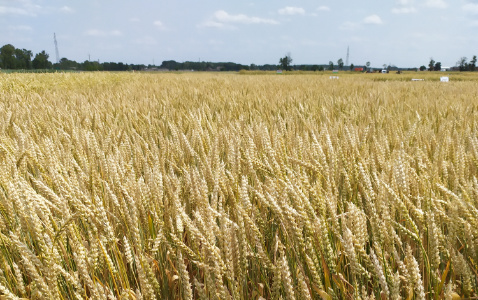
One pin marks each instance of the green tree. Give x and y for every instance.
(331, 66)
(285, 62)
(423, 68)
(462, 64)
(41, 61)
(340, 63)
(352, 67)
(437, 66)
(431, 65)
(472, 64)
(23, 59)
(7, 57)
(91, 66)
(66, 64)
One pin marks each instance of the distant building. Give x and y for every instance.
(358, 69)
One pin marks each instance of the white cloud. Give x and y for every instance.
(95, 32)
(323, 8)
(115, 33)
(20, 27)
(101, 33)
(158, 24)
(405, 7)
(436, 3)
(5, 10)
(67, 9)
(471, 8)
(290, 10)
(20, 7)
(404, 10)
(373, 19)
(224, 20)
(212, 24)
(224, 17)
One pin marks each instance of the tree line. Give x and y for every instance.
(12, 58)
(22, 59)
(285, 63)
(202, 66)
(462, 65)
(16, 58)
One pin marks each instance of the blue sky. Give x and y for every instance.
(406, 33)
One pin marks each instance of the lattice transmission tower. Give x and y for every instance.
(347, 58)
(56, 49)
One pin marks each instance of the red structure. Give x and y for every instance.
(358, 69)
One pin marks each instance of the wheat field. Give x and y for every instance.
(231, 186)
